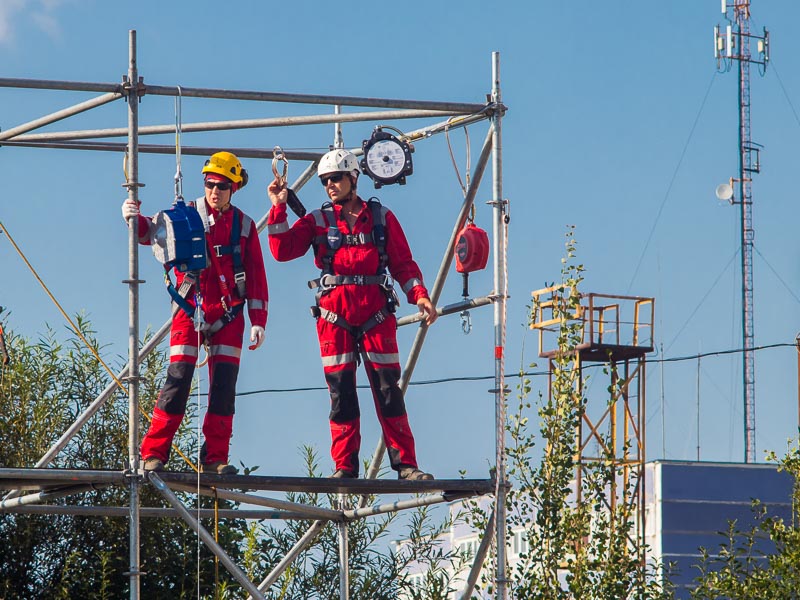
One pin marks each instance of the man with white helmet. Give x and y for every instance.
(355, 242)
(235, 274)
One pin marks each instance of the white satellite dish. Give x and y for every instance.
(724, 192)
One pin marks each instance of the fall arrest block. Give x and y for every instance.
(178, 238)
(472, 254)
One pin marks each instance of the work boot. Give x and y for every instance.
(342, 474)
(218, 468)
(153, 464)
(413, 474)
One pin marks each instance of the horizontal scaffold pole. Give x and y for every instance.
(43, 478)
(44, 496)
(384, 115)
(308, 512)
(164, 149)
(449, 309)
(389, 507)
(186, 92)
(123, 512)
(62, 114)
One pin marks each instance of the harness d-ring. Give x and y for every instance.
(278, 155)
(203, 362)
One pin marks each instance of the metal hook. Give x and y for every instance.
(466, 322)
(278, 155)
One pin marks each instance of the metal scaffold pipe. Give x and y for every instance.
(186, 92)
(499, 253)
(132, 184)
(207, 538)
(62, 114)
(387, 115)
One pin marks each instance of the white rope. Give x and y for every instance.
(199, 431)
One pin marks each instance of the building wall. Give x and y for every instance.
(689, 505)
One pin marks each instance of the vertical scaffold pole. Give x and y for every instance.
(132, 176)
(499, 231)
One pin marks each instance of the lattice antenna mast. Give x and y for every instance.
(733, 45)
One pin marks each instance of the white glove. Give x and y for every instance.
(256, 336)
(129, 209)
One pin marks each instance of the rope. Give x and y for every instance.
(61, 309)
(178, 131)
(453, 159)
(80, 335)
(501, 432)
(199, 430)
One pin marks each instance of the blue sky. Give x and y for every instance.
(618, 124)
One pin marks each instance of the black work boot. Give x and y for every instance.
(343, 474)
(413, 474)
(153, 464)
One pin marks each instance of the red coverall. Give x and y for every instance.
(225, 346)
(357, 304)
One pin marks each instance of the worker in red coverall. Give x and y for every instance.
(223, 325)
(355, 307)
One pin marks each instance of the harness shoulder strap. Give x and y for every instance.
(239, 275)
(332, 237)
(379, 231)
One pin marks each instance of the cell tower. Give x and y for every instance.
(733, 45)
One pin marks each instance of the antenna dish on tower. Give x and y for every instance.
(724, 191)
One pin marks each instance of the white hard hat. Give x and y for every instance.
(337, 161)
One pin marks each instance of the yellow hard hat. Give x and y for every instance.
(226, 164)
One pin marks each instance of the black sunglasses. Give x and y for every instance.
(335, 178)
(220, 185)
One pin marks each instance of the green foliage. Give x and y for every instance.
(761, 561)
(574, 550)
(374, 572)
(47, 385)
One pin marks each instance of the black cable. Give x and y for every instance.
(518, 375)
(671, 182)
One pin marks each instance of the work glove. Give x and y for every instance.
(256, 336)
(130, 209)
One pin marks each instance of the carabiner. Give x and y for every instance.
(278, 155)
(466, 322)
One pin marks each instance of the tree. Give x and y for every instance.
(575, 550)
(48, 384)
(61, 556)
(375, 571)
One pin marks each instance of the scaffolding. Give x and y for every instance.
(617, 332)
(29, 488)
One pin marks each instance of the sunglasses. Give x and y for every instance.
(335, 178)
(220, 185)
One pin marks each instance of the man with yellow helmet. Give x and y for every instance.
(235, 275)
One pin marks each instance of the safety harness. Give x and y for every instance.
(192, 277)
(332, 241)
